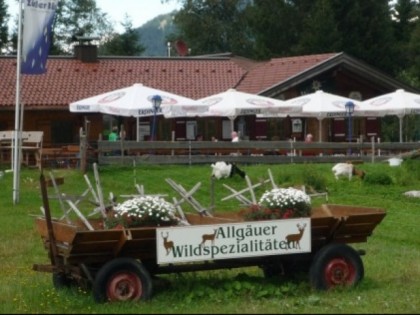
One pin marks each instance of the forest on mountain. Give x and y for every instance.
(382, 33)
(155, 34)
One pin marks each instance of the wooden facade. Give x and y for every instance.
(46, 97)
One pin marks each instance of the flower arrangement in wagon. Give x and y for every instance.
(142, 211)
(280, 203)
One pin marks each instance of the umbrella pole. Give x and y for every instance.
(320, 130)
(137, 129)
(401, 123)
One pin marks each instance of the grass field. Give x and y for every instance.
(392, 271)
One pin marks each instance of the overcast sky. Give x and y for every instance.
(139, 11)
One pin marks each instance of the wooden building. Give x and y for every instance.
(45, 98)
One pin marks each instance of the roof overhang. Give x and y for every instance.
(344, 62)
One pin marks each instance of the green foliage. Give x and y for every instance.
(156, 33)
(409, 172)
(378, 179)
(412, 166)
(78, 18)
(364, 37)
(320, 33)
(285, 178)
(125, 44)
(4, 18)
(314, 179)
(391, 260)
(390, 129)
(224, 23)
(263, 29)
(270, 19)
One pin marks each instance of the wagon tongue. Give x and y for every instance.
(53, 247)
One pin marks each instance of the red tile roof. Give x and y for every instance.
(279, 70)
(68, 79)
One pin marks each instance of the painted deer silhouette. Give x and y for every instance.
(208, 237)
(167, 244)
(294, 239)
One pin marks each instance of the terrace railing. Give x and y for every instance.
(250, 152)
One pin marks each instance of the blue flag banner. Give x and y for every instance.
(38, 17)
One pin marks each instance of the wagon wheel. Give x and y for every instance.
(336, 265)
(122, 279)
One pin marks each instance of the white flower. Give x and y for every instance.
(286, 198)
(148, 208)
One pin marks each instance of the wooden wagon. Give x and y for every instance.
(120, 264)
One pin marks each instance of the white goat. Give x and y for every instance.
(347, 169)
(223, 170)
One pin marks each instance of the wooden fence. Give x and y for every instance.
(248, 152)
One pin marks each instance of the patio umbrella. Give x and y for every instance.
(322, 105)
(184, 110)
(399, 103)
(281, 109)
(132, 101)
(233, 103)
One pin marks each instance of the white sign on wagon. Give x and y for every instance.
(233, 240)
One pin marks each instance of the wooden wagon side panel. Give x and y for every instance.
(357, 228)
(195, 219)
(63, 232)
(352, 224)
(353, 211)
(105, 241)
(141, 243)
(322, 230)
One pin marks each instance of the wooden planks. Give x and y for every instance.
(354, 224)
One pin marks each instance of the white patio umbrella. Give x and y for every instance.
(183, 110)
(233, 103)
(132, 101)
(399, 103)
(281, 109)
(322, 105)
(135, 101)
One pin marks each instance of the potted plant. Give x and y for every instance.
(142, 211)
(280, 203)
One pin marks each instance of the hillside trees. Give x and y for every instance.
(274, 28)
(366, 30)
(320, 32)
(406, 24)
(78, 18)
(214, 26)
(4, 18)
(264, 29)
(125, 44)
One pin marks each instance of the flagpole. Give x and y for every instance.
(18, 128)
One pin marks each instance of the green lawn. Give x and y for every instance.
(392, 270)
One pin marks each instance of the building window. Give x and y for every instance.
(191, 130)
(296, 125)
